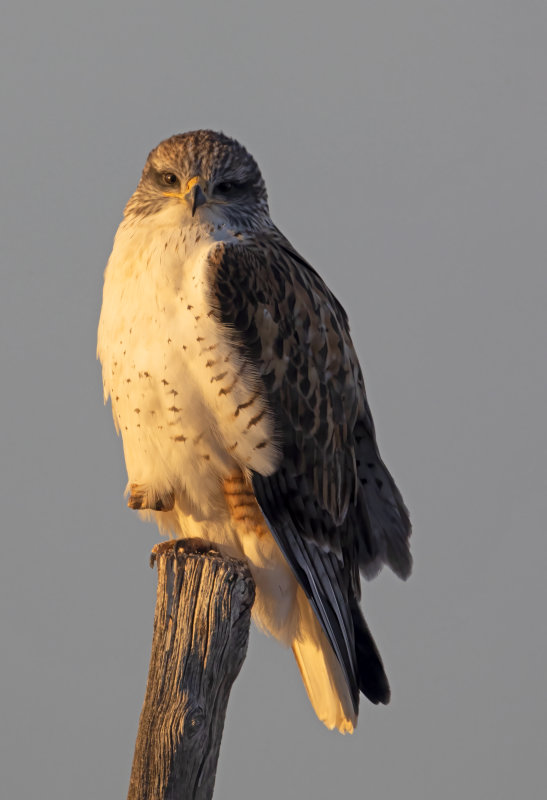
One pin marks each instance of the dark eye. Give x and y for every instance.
(169, 178)
(225, 187)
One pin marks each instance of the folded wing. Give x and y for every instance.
(331, 505)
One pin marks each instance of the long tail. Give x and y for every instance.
(322, 675)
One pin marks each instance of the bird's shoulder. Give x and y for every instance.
(290, 325)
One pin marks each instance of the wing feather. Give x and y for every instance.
(331, 504)
(321, 575)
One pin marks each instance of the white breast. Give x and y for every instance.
(188, 407)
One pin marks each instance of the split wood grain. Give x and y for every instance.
(201, 630)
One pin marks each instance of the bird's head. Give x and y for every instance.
(205, 176)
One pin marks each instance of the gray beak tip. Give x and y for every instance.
(197, 197)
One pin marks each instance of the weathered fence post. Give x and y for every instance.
(201, 629)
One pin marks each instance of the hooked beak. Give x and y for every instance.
(196, 193)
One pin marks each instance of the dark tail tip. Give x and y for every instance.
(372, 677)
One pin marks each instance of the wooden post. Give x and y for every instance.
(201, 630)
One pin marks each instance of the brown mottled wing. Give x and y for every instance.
(331, 504)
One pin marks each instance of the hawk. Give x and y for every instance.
(239, 397)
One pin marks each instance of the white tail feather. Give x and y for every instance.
(321, 673)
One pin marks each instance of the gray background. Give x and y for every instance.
(404, 146)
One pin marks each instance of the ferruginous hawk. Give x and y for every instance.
(241, 404)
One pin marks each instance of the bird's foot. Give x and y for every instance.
(141, 497)
(194, 546)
